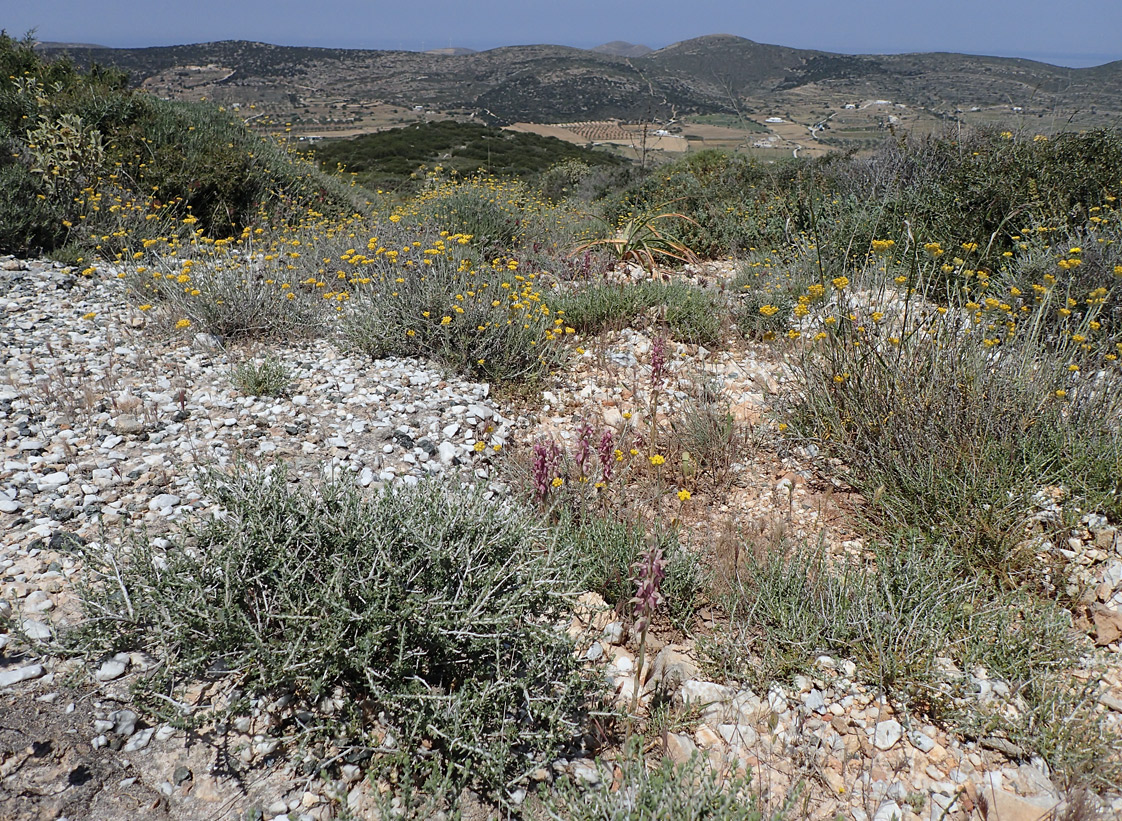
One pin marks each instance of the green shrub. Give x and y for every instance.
(398, 157)
(691, 314)
(980, 188)
(26, 221)
(733, 201)
(433, 612)
(87, 159)
(267, 378)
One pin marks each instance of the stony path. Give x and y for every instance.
(106, 424)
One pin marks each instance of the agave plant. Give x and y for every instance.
(643, 238)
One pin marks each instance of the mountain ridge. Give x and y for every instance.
(712, 74)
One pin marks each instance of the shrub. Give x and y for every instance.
(901, 615)
(494, 225)
(397, 157)
(724, 195)
(1001, 401)
(704, 436)
(97, 160)
(267, 378)
(431, 612)
(691, 314)
(229, 297)
(972, 188)
(484, 320)
(761, 316)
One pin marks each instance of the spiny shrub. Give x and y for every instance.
(430, 613)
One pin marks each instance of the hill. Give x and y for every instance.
(388, 158)
(320, 90)
(622, 48)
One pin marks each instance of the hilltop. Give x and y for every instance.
(514, 494)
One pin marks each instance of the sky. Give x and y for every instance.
(1062, 32)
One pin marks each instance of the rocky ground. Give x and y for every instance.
(108, 423)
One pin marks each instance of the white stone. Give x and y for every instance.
(887, 733)
(742, 735)
(139, 740)
(447, 451)
(921, 741)
(37, 601)
(10, 677)
(112, 669)
(703, 693)
(163, 501)
(889, 811)
(53, 481)
(815, 702)
(36, 630)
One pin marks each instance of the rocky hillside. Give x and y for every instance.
(543, 83)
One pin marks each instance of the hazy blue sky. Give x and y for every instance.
(1065, 32)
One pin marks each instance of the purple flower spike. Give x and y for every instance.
(658, 361)
(606, 452)
(651, 569)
